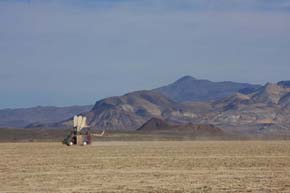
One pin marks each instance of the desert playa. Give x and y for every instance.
(149, 166)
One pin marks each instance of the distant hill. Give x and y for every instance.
(155, 124)
(19, 118)
(161, 126)
(190, 89)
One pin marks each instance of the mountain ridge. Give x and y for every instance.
(21, 117)
(188, 88)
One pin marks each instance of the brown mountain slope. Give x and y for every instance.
(231, 102)
(269, 94)
(285, 100)
(131, 110)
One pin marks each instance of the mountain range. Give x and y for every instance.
(233, 107)
(22, 117)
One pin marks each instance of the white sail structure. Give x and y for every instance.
(84, 123)
(80, 122)
(75, 121)
(78, 136)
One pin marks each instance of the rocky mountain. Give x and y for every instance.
(190, 89)
(269, 94)
(284, 101)
(130, 111)
(19, 118)
(284, 84)
(264, 111)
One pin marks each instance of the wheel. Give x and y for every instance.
(85, 143)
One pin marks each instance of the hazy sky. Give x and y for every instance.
(63, 52)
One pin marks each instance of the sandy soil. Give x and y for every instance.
(205, 166)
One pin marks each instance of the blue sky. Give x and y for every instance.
(76, 52)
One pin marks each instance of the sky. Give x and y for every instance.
(75, 52)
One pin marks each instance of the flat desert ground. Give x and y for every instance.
(148, 166)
